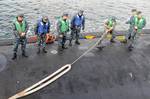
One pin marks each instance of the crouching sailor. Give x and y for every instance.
(20, 28)
(110, 25)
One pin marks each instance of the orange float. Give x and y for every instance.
(50, 38)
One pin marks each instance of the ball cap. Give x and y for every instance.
(81, 11)
(113, 18)
(139, 12)
(45, 18)
(20, 15)
(133, 10)
(65, 14)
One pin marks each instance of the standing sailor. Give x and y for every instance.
(139, 24)
(77, 23)
(62, 29)
(20, 28)
(41, 29)
(132, 24)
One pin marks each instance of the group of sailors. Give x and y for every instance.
(20, 27)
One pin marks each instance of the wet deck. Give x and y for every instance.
(113, 73)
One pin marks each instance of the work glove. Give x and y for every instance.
(23, 34)
(61, 35)
(83, 28)
(71, 28)
(68, 30)
(136, 27)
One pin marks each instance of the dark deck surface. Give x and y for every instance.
(113, 73)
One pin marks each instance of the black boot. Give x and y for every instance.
(60, 48)
(130, 48)
(24, 54)
(112, 41)
(125, 41)
(14, 56)
(77, 42)
(100, 47)
(70, 44)
(38, 52)
(64, 47)
(44, 51)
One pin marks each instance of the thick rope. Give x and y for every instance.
(43, 83)
(97, 43)
(53, 77)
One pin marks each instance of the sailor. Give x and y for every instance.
(62, 29)
(131, 25)
(139, 24)
(41, 29)
(20, 28)
(109, 26)
(77, 23)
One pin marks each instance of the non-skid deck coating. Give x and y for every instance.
(113, 73)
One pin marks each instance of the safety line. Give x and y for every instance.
(54, 76)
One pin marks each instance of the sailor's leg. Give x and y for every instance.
(64, 41)
(60, 43)
(17, 42)
(71, 37)
(113, 36)
(39, 38)
(23, 47)
(44, 43)
(78, 29)
(132, 40)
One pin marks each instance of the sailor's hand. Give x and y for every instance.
(71, 27)
(111, 28)
(108, 30)
(35, 33)
(83, 28)
(68, 30)
(61, 36)
(135, 27)
(83, 31)
(23, 34)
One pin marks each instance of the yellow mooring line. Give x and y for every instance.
(54, 76)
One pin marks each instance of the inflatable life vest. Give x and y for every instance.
(43, 28)
(140, 23)
(78, 20)
(20, 27)
(64, 25)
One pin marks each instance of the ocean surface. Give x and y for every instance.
(96, 11)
